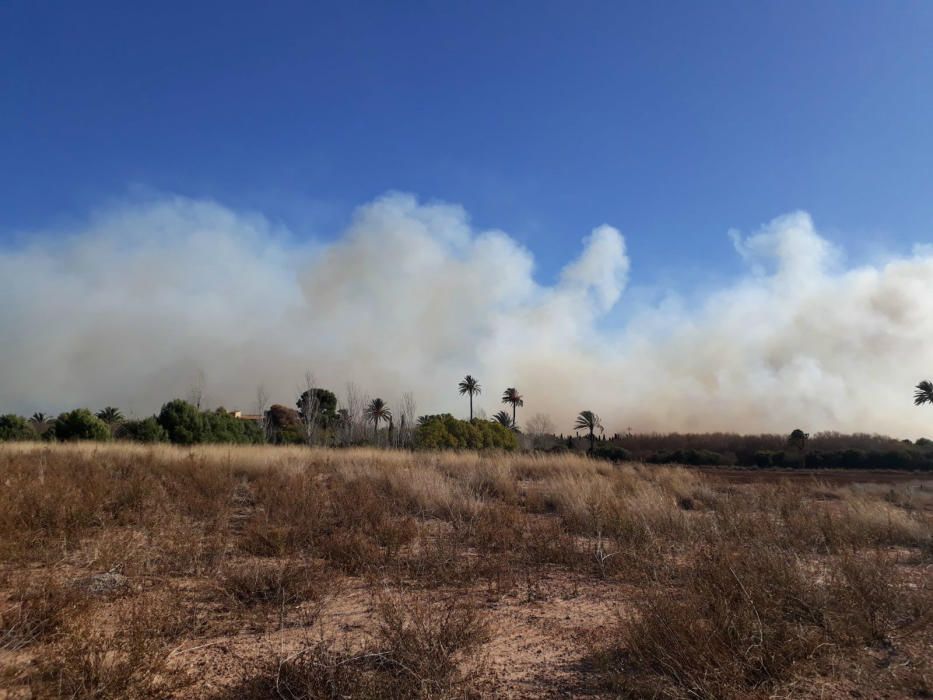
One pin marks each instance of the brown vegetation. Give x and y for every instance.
(134, 572)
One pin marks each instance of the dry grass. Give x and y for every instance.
(415, 651)
(720, 590)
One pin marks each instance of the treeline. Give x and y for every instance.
(829, 450)
(315, 421)
(178, 422)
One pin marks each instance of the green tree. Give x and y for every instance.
(511, 396)
(13, 427)
(146, 430)
(587, 420)
(504, 419)
(446, 432)
(111, 416)
(183, 423)
(319, 404)
(377, 411)
(469, 385)
(81, 424)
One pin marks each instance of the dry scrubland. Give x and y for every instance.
(133, 572)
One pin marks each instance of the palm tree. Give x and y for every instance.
(923, 393)
(512, 396)
(587, 420)
(110, 415)
(504, 419)
(38, 418)
(378, 411)
(469, 385)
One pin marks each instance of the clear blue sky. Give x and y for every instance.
(674, 121)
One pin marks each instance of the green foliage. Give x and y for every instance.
(469, 385)
(185, 425)
(222, 426)
(81, 424)
(13, 427)
(110, 415)
(320, 403)
(446, 432)
(377, 411)
(182, 422)
(146, 430)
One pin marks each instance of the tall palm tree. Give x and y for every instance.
(469, 385)
(503, 418)
(923, 393)
(38, 418)
(512, 396)
(587, 420)
(377, 411)
(110, 415)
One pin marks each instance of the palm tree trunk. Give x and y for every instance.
(513, 415)
(591, 440)
(471, 406)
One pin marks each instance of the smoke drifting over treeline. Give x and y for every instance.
(133, 307)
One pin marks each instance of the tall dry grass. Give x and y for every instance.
(734, 590)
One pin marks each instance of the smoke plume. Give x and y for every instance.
(143, 299)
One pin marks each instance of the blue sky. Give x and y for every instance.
(673, 121)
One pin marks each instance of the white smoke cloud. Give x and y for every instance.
(128, 310)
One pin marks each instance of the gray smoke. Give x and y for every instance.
(132, 308)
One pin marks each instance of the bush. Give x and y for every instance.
(746, 616)
(13, 427)
(446, 432)
(146, 430)
(260, 583)
(182, 422)
(81, 424)
(185, 425)
(416, 652)
(613, 453)
(692, 457)
(221, 426)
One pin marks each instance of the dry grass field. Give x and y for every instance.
(217, 572)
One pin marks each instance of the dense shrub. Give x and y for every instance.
(222, 426)
(612, 453)
(692, 456)
(182, 421)
(446, 432)
(146, 430)
(185, 425)
(13, 427)
(81, 424)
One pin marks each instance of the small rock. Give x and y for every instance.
(104, 584)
